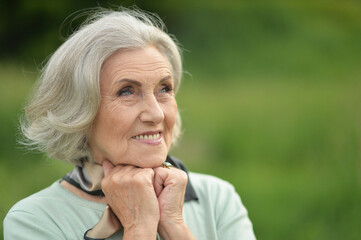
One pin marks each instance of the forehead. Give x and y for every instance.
(135, 63)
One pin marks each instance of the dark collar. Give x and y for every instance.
(190, 192)
(77, 175)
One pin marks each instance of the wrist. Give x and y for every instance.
(140, 232)
(175, 231)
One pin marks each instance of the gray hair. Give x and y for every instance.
(62, 109)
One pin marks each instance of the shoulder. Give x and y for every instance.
(215, 193)
(37, 200)
(52, 198)
(220, 208)
(46, 200)
(26, 216)
(207, 185)
(52, 213)
(202, 178)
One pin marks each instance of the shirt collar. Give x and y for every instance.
(81, 177)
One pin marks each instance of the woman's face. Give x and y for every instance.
(138, 110)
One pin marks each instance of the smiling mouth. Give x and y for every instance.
(148, 136)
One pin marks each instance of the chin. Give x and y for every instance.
(151, 161)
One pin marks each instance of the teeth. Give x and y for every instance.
(148, 137)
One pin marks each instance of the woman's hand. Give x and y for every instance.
(170, 186)
(130, 194)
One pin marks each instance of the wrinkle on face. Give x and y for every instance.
(147, 108)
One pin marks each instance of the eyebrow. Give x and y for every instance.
(128, 81)
(131, 81)
(166, 78)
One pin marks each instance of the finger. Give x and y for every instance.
(160, 176)
(172, 176)
(107, 167)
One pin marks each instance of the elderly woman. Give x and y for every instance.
(106, 103)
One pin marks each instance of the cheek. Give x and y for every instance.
(170, 112)
(111, 123)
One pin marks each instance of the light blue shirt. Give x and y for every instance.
(56, 213)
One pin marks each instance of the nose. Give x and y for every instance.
(151, 111)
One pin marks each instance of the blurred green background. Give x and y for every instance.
(270, 102)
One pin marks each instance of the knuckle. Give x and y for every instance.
(144, 176)
(150, 172)
(116, 178)
(182, 177)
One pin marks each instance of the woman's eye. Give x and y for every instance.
(166, 89)
(125, 91)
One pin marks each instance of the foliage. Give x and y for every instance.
(271, 105)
